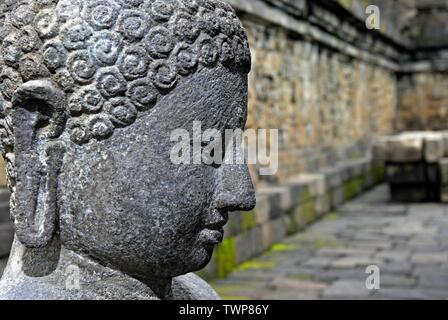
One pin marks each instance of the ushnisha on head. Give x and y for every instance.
(91, 90)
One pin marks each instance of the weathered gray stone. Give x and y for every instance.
(272, 232)
(380, 149)
(323, 205)
(429, 258)
(415, 165)
(281, 193)
(389, 280)
(343, 252)
(91, 94)
(337, 197)
(314, 185)
(300, 285)
(320, 262)
(333, 177)
(332, 275)
(426, 211)
(400, 293)
(405, 148)
(393, 255)
(233, 226)
(353, 262)
(428, 270)
(434, 148)
(262, 209)
(373, 245)
(406, 229)
(435, 281)
(347, 289)
(398, 267)
(249, 244)
(292, 295)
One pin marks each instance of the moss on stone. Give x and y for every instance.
(356, 155)
(363, 181)
(230, 289)
(302, 277)
(257, 265)
(225, 256)
(320, 243)
(248, 220)
(279, 248)
(235, 298)
(378, 173)
(291, 225)
(202, 274)
(305, 195)
(346, 3)
(384, 27)
(282, 247)
(360, 184)
(351, 189)
(309, 211)
(233, 226)
(298, 218)
(332, 216)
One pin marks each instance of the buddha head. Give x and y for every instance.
(90, 93)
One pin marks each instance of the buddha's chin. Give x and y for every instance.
(196, 259)
(201, 257)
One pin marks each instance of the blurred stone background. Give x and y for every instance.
(330, 86)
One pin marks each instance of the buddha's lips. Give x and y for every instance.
(212, 237)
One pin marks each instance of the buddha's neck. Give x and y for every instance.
(82, 276)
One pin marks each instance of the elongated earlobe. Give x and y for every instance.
(38, 119)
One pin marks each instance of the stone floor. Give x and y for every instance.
(409, 244)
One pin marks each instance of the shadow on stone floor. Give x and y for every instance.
(408, 242)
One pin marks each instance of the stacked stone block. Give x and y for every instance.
(415, 165)
(287, 208)
(422, 101)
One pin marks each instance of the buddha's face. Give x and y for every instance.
(125, 74)
(123, 201)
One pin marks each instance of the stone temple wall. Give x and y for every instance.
(327, 106)
(328, 89)
(423, 101)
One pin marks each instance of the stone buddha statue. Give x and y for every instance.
(90, 93)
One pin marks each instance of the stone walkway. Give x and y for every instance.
(409, 244)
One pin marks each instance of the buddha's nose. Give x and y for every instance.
(235, 190)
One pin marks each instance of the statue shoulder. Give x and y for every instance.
(192, 287)
(31, 290)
